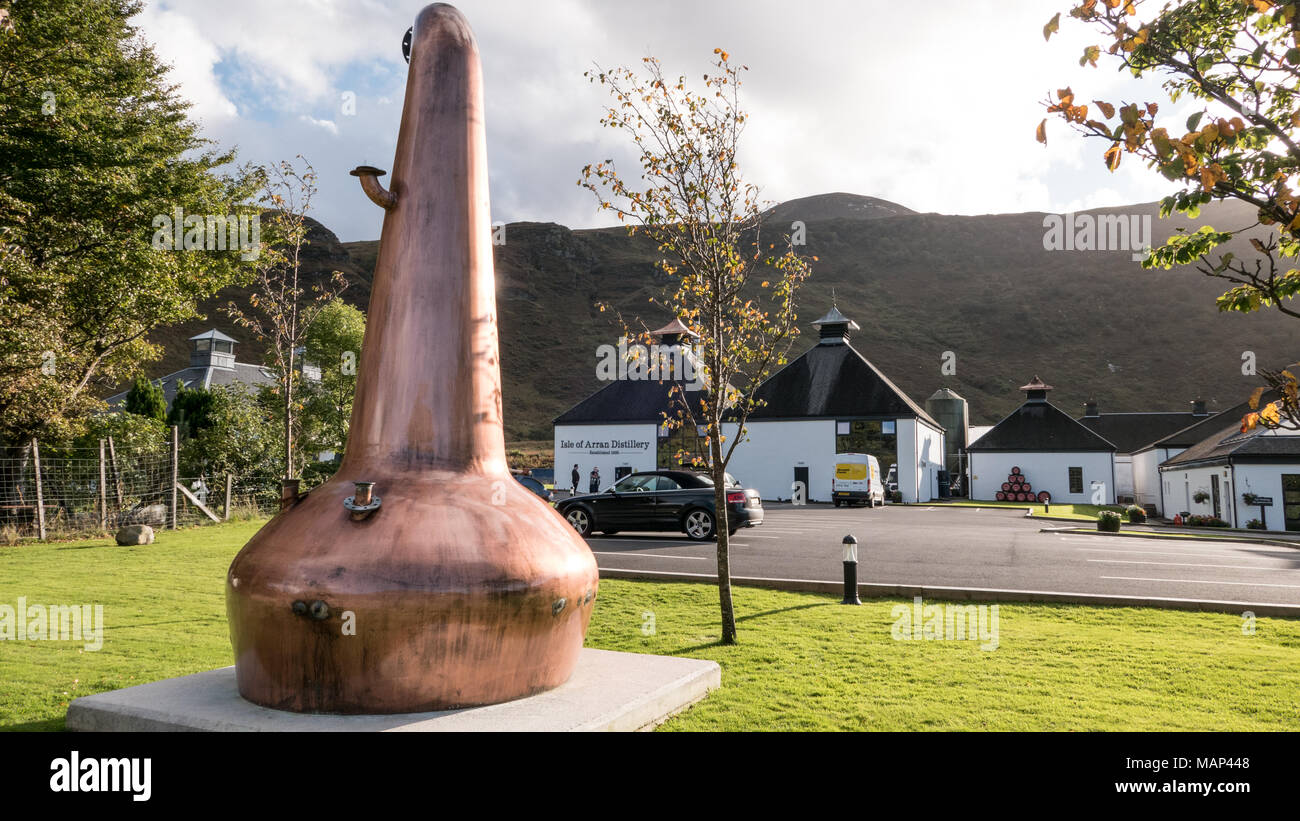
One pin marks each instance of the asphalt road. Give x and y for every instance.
(971, 548)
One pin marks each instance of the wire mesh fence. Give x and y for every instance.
(56, 492)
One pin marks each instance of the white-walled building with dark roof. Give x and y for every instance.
(829, 400)
(1227, 465)
(1131, 432)
(212, 364)
(833, 400)
(1149, 487)
(619, 429)
(1055, 452)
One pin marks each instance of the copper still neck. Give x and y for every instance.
(429, 383)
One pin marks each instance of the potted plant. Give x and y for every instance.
(1249, 498)
(1200, 497)
(1136, 515)
(1108, 521)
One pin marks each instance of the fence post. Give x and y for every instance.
(176, 476)
(40, 491)
(117, 473)
(229, 482)
(103, 490)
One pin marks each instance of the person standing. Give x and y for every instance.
(595, 480)
(577, 477)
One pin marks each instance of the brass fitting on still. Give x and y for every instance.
(364, 502)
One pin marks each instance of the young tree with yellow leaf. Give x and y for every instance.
(732, 291)
(1241, 59)
(284, 307)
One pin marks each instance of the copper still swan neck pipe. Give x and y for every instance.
(374, 189)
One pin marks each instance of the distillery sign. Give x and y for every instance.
(611, 446)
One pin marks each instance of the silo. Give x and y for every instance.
(950, 410)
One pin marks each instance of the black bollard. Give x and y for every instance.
(851, 571)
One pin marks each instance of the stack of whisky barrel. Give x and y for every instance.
(1017, 489)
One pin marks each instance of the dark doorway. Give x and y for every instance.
(1291, 500)
(801, 475)
(1214, 493)
(621, 471)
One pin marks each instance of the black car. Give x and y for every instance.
(536, 487)
(676, 500)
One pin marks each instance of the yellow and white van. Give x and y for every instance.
(857, 480)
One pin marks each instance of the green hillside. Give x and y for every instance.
(1093, 324)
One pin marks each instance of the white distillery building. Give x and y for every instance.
(829, 400)
(833, 400)
(1131, 433)
(1148, 485)
(619, 429)
(1234, 470)
(1053, 451)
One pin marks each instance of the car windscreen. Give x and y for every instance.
(635, 482)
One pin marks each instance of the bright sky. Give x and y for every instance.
(931, 105)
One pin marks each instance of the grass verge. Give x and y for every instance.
(1084, 513)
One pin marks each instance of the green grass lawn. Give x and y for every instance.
(804, 661)
(1058, 510)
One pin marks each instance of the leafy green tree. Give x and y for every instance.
(191, 411)
(241, 437)
(95, 144)
(333, 343)
(1239, 62)
(146, 398)
(728, 287)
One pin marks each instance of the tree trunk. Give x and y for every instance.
(722, 525)
(288, 417)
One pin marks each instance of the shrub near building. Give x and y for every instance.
(1108, 521)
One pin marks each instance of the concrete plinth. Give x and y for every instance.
(608, 691)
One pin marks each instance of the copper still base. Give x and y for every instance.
(453, 603)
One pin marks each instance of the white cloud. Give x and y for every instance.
(328, 125)
(930, 105)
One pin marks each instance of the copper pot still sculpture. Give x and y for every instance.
(422, 576)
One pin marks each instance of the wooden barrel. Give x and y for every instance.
(1044, 496)
(1000, 496)
(1025, 487)
(1016, 471)
(1006, 486)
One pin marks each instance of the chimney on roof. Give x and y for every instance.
(1036, 391)
(834, 327)
(672, 333)
(1198, 408)
(674, 357)
(1090, 409)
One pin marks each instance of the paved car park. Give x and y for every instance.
(991, 548)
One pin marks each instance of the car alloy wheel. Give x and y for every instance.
(699, 525)
(580, 520)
